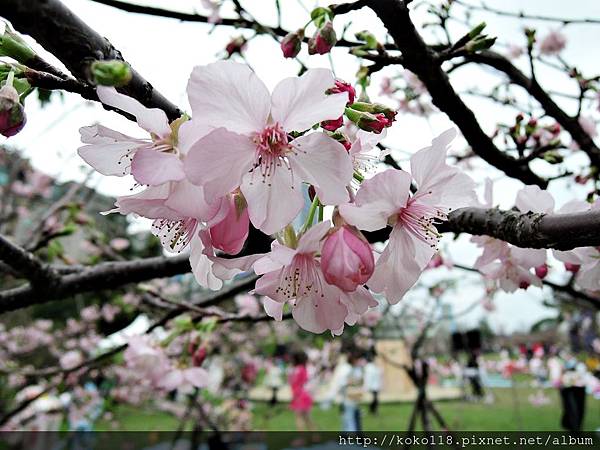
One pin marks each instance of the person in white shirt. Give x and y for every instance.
(372, 382)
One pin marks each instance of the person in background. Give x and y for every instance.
(352, 389)
(274, 378)
(302, 401)
(372, 382)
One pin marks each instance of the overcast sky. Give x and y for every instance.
(165, 51)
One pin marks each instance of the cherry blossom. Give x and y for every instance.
(553, 43)
(385, 200)
(251, 148)
(295, 275)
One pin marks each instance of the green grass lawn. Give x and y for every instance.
(504, 414)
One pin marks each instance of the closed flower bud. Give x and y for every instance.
(236, 45)
(342, 86)
(332, 125)
(323, 40)
(347, 259)
(375, 123)
(573, 268)
(111, 73)
(541, 271)
(292, 43)
(230, 234)
(12, 113)
(199, 356)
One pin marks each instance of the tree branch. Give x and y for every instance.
(420, 59)
(569, 123)
(26, 264)
(77, 45)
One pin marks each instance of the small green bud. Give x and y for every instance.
(321, 15)
(369, 39)
(111, 73)
(13, 45)
(477, 30)
(479, 44)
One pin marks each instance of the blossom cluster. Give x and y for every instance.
(510, 268)
(247, 156)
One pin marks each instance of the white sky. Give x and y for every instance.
(165, 51)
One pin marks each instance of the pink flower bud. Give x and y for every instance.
(436, 261)
(541, 271)
(342, 86)
(291, 44)
(323, 40)
(199, 356)
(332, 125)
(375, 124)
(347, 259)
(524, 284)
(12, 113)
(230, 234)
(236, 45)
(573, 268)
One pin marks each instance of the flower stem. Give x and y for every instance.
(311, 214)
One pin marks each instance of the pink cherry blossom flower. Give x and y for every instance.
(553, 43)
(385, 200)
(347, 259)
(294, 275)
(113, 153)
(211, 270)
(364, 151)
(71, 359)
(507, 265)
(184, 380)
(250, 146)
(213, 7)
(584, 261)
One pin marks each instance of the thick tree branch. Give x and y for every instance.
(74, 43)
(569, 123)
(26, 264)
(421, 59)
(559, 231)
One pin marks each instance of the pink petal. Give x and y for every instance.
(273, 309)
(202, 266)
(189, 201)
(196, 376)
(189, 133)
(426, 166)
(310, 242)
(153, 120)
(273, 201)
(149, 203)
(534, 199)
(171, 380)
(299, 103)
(359, 301)
(268, 285)
(396, 271)
(317, 314)
(108, 151)
(153, 168)
(323, 162)
(228, 94)
(226, 268)
(377, 200)
(218, 161)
